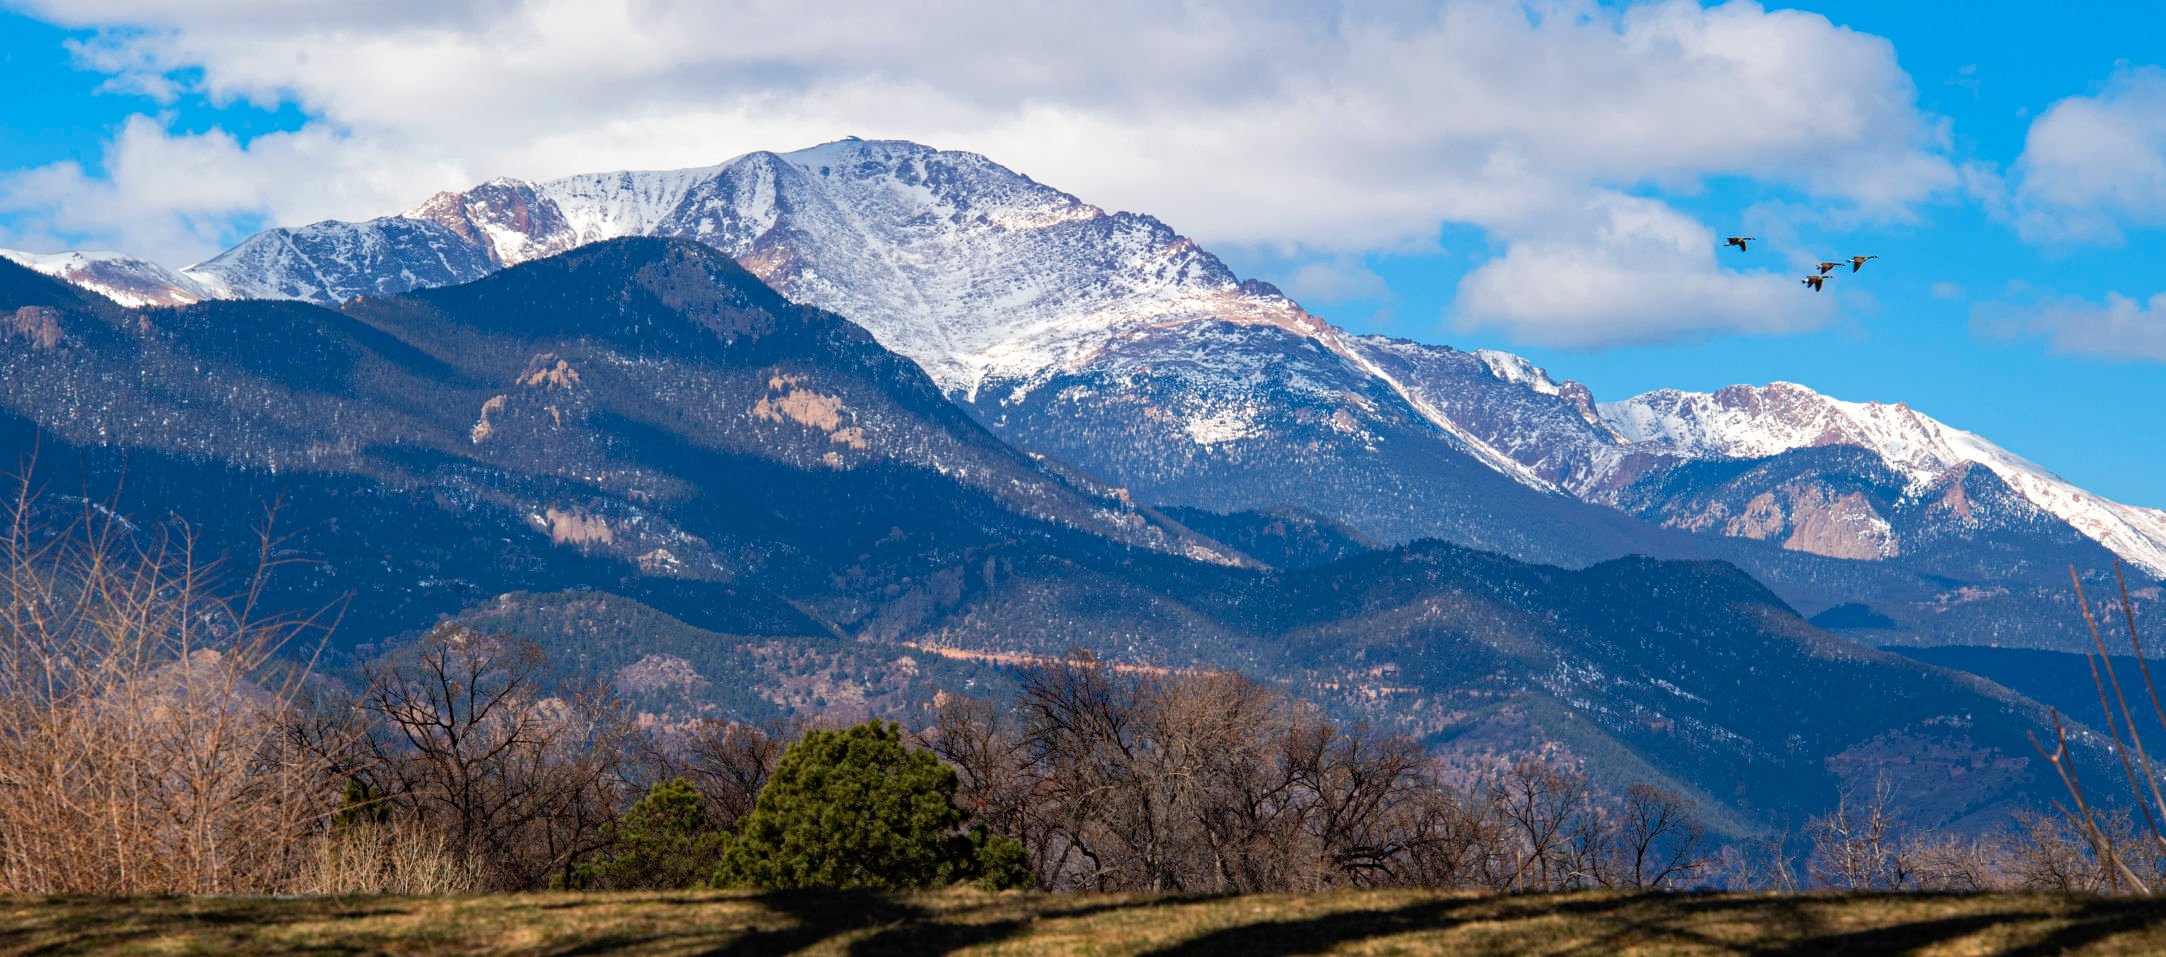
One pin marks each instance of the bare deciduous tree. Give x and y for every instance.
(1955, 862)
(1659, 842)
(466, 744)
(728, 762)
(1133, 780)
(1553, 822)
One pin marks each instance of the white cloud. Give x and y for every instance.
(172, 198)
(1646, 273)
(2094, 165)
(1335, 279)
(2121, 329)
(1323, 129)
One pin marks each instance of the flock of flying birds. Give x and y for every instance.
(1818, 279)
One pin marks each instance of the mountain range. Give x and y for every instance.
(1054, 319)
(1115, 345)
(854, 421)
(727, 503)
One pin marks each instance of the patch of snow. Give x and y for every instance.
(1516, 370)
(1224, 425)
(1748, 422)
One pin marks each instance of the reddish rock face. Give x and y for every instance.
(507, 220)
(37, 324)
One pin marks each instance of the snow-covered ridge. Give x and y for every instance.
(1754, 422)
(122, 278)
(1516, 370)
(986, 277)
(974, 271)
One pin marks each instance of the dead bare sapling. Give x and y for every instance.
(143, 706)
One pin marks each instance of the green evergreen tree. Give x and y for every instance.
(662, 842)
(857, 808)
(1002, 863)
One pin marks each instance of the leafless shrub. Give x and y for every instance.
(1955, 862)
(1858, 844)
(371, 858)
(1763, 862)
(2051, 853)
(142, 707)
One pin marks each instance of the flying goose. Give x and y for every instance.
(1815, 281)
(1739, 242)
(1824, 267)
(1858, 262)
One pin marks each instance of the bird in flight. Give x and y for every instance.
(1858, 262)
(1740, 241)
(1815, 281)
(1824, 267)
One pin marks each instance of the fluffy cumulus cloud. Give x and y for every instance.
(172, 198)
(2120, 329)
(2094, 165)
(1645, 274)
(1324, 130)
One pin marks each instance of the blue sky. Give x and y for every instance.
(1393, 168)
(1990, 69)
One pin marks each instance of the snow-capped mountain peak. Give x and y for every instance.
(1755, 422)
(978, 273)
(1743, 421)
(971, 269)
(999, 286)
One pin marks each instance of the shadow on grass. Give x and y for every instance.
(1624, 921)
(1903, 938)
(2092, 921)
(2095, 921)
(1620, 920)
(870, 923)
(946, 936)
(1606, 925)
(900, 927)
(1311, 935)
(100, 925)
(819, 916)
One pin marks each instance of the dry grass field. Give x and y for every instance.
(964, 922)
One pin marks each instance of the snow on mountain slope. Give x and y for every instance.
(997, 284)
(330, 261)
(971, 269)
(978, 273)
(124, 279)
(1747, 422)
(1504, 405)
(1601, 452)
